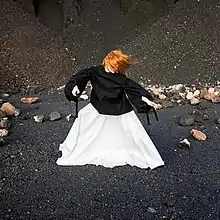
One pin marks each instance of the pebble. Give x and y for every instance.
(218, 121)
(187, 120)
(151, 210)
(3, 132)
(70, 117)
(8, 108)
(17, 112)
(38, 118)
(61, 88)
(203, 92)
(189, 95)
(198, 135)
(194, 101)
(196, 93)
(54, 116)
(211, 90)
(162, 96)
(216, 99)
(29, 100)
(4, 123)
(209, 96)
(4, 95)
(184, 143)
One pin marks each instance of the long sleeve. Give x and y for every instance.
(80, 79)
(135, 92)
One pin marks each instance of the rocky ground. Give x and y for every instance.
(175, 43)
(172, 43)
(32, 186)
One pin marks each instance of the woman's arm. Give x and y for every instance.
(137, 94)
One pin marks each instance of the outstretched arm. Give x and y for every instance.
(137, 94)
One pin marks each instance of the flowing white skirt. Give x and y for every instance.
(108, 141)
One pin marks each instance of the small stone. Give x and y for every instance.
(151, 210)
(206, 117)
(184, 143)
(5, 123)
(2, 141)
(38, 118)
(203, 92)
(162, 96)
(194, 101)
(155, 90)
(8, 108)
(167, 104)
(196, 93)
(4, 95)
(182, 95)
(209, 96)
(187, 120)
(2, 114)
(70, 117)
(198, 135)
(177, 88)
(189, 95)
(54, 116)
(211, 90)
(17, 112)
(218, 121)
(61, 88)
(216, 99)
(29, 100)
(3, 132)
(204, 105)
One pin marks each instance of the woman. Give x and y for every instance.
(107, 131)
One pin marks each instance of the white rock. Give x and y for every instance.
(184, 143)
(3, 132)
(194, 101)
(211, 90)
(162, 96)
(182, 95)
(17, 112)
(196, 93)
(189, 95)
(54, 116)
(177, 87)
(156, 91)
(151, 210)
(68, 117)
(38, 118)
(61, 88)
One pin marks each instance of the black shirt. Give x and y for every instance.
(112, 93)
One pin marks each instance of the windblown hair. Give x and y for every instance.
(117, 61)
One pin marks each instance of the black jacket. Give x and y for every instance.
(112, 94)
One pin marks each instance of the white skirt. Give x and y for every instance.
(108, 141)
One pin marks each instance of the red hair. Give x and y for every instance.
(117, 61)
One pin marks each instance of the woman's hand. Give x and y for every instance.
(154, 105)
(75, 91)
